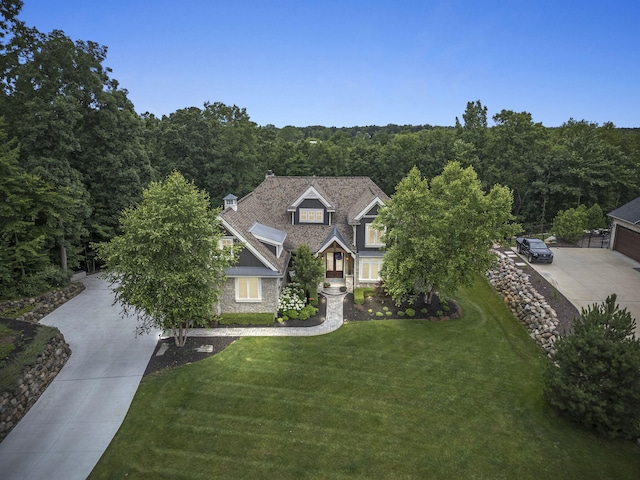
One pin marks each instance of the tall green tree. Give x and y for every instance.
(593, 378)
(309, 269)
(439, 234)
(165, 268)
(31, 215)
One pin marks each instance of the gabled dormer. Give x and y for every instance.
(272, 238)
(312, 207)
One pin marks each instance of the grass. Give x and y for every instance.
(8, 338)
(27, 356)
(382, 399)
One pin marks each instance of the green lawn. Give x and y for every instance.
(380, 399)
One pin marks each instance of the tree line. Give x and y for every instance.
(74, 153)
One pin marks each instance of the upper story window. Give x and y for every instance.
(373, 237)
(311, 215)
(225, 242)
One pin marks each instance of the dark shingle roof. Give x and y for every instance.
(268, 205)
(629, 212)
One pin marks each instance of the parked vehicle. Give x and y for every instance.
(535, 250)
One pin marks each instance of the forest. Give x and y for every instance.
(74, 153)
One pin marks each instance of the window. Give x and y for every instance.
(373, 237)
(225, 242)
(311, 215)
(370, 269)
(248, 289)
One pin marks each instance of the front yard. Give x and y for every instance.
(382, 399)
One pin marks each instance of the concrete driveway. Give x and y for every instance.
(588, 275)
(66, 432)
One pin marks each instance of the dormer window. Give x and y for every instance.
(311, 215)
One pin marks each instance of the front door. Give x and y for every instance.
(334, 264)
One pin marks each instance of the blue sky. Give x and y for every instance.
(351, 62)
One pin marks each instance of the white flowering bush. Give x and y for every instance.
(291, 298)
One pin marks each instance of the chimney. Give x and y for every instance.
(269, 174)
(231, 201)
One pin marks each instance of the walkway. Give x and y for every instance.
(68, 429)
(333, 321)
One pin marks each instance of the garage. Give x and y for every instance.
(626, 229)
(627, 242)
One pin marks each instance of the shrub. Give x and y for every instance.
(246, 319)
(594, 379)
(313, 296)
(360, 293)
(307, 312)
(370, 310)
(401, 313)
(385, 308)
(570, 224)
(424, 311)
(440, 313)
(410, 312)
(379, 314)
(291, 313)
(388, 313)
(291, 298)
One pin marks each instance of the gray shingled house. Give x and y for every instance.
(625, 229)
(332, 215)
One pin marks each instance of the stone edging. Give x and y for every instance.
(32, 383)
(44, 304)
(524, 301)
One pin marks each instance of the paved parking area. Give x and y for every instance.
(588, 275)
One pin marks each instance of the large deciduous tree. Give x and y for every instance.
(165, 268)
(438, 234)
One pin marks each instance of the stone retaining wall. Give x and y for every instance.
(32, 383)
(44, 304)
(526, 303)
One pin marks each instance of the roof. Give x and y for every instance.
(271, 235)
(251, 272)
(629, 212)
(268, 205)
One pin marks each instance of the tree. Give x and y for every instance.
(308, 268)
(570, 224)
(438, 236)
(165, 268)
(593, 379)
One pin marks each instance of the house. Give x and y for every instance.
(332, 215)
(625, 229)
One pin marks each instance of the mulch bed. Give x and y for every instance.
(175, 356)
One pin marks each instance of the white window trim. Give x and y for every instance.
(223, 240)
(377, 236)
(370, 261)
(248, 300)
(317, 212)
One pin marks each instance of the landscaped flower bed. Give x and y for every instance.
(378, 306)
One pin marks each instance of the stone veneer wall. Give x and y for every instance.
(269, 301)
(526, 303)
(32, 383)
(35, 378)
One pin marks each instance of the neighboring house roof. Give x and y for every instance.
(270, 203)
(629, 212)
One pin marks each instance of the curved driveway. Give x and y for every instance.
(589, 275)
(65, 433)
(67, 430)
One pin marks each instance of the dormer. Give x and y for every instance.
(312, 207)
(271, 237)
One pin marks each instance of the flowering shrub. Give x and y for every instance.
(291, 298)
